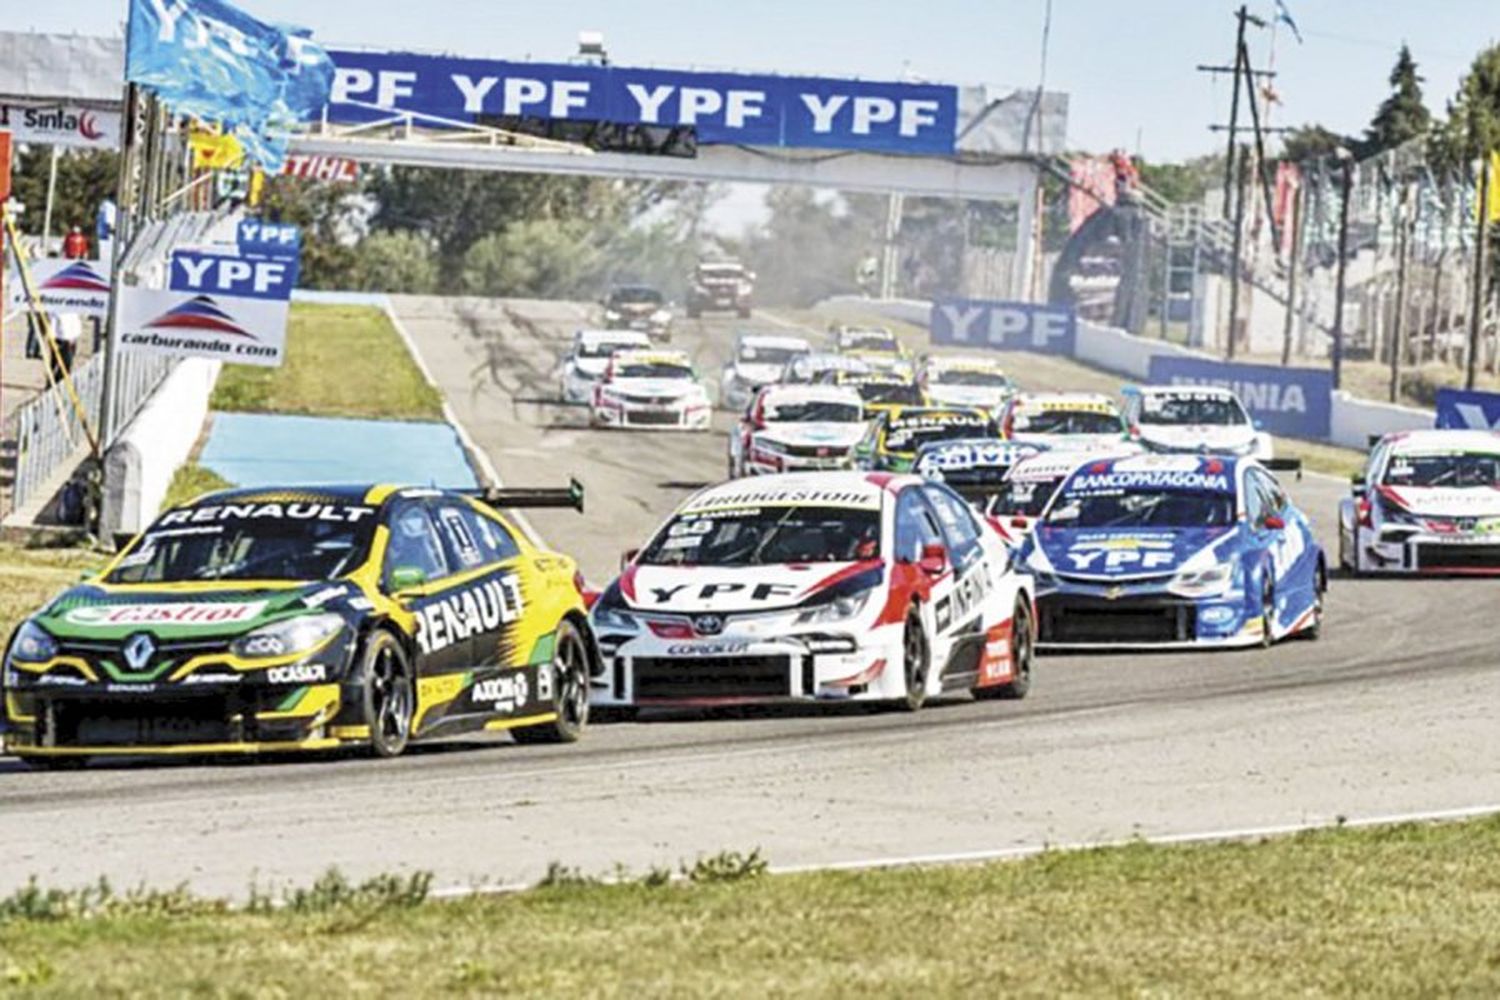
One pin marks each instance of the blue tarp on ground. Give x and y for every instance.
(258, 449)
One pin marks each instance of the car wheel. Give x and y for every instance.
(613, 713)
(70, 763)
(915, 661)
(1022, 655)
(570, 685)
(388, 692)
(1267, 611)
(1320, 587)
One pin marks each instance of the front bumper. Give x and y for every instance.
(1418, 553)
(652, 417)
(1115, 617)
(844, 663)
(761, 463)
(206, 719)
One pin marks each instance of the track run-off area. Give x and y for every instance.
(1390, 713)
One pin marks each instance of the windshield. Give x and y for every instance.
(759, 536)
(1069, 422)
(312, 539)
(1143, 509)
(903, 436)
(653, 369)
(1179, 410)
(870, 340)
(635, 297)
(723, 272)
(605, 348)
(996, 380)
(769, 355)
(904, 393)
(1026, 498)
(1450, 470)
(814, 411)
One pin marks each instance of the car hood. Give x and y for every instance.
(1207, 437)
(656, 386)
(1476, 501)
(755, 374)
(1105, 554)
(739, 589)
(91, 611)
(835, 435)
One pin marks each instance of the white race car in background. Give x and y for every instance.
(789, 428)
(1427, 502)
(965, 381)
(655, 390)
(875, 346)
(831, 585)
(1029, 486)
(1067, 421)
(590, 355)
(1189, 418)
(820, 366)
(759, 359)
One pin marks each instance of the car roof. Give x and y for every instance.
(594, 336)
(774, 340)
(342, 493)
(904, 411)
(1184, 390)
(654, 356)
(810, 391)
(1065, 401)
(1456, 439)
(1158, 469)
(855, 490)
(1047, 465)
(961, 362)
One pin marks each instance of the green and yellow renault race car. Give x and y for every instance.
(311, 618)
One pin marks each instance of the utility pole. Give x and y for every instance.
(1238, 238)
(1404, 222)
(1476, 306)
(1241, 16)
(1346, 168)
(1295, 254)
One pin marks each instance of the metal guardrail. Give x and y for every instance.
(47, 431)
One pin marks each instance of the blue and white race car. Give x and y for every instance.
(1174, 550)
(975, 468)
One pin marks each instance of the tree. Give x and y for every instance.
(85, 177)
(329, 216)
(811, 245)
(1312, 142)
(1402, 116)
(395, 262)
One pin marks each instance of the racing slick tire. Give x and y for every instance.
(1267, 611)
(916, 661)
(388, 692)
(56, 763)
(1314, 631)
(1346, 565)
(570, 680)
(1022, 654)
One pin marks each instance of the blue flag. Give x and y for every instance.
(1285, 16)
(211, 60)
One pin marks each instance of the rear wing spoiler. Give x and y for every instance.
(532, 496)
(1284, 465)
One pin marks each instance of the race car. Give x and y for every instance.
(965, 381)
(638, 307)
(1075, 421)
(1029, 485)
(894, 435)
(829, 585)
(1205, 420)
(589, 357)
(974, 468)
(874, 345)
(1427, 502)
(880, 390)
(820, 366)
(652, 390)
(759, 359)
(720, 284)
(308, 618)
(1174, 550)
(790, 428)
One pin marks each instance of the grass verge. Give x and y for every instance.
(28, 576)
(192, 480)
(1396, 911)
(341, 361)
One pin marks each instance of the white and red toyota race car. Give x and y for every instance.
(651, 390)
(796, 428)
(816, 585)
(1427, 502)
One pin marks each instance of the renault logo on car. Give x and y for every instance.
(138, 650)
(708, 624)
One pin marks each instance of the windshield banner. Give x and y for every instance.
(1004, 326)
(1296, 402)
(734, 108)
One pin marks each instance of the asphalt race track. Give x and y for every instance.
(1393, 711)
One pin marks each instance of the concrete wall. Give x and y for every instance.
(1355, 421)
(140, 464)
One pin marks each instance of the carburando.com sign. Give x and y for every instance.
(62, 125)
(1296, 402)
(219, 306)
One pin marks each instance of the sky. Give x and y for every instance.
(1127, 66)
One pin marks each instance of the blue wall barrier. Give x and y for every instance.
(1293, 401)
(1457, 408)
(1003, 326)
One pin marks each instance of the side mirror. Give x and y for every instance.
(934, 561)
(627, 557)
(1259, 425)
(1273, 522)
(407, 578)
